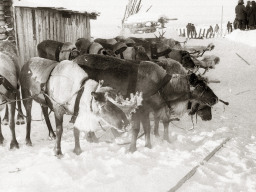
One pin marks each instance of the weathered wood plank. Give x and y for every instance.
(33, 25)
(19, 36)
(24, 33)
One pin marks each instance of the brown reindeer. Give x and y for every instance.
(57, 51)
(179, 107)
(60, 86)
(9, 75)
(9, 49)
(157, 86)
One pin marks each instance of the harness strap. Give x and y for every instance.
(100, 50)
(122, 55)
(57, 52)
(70, 54)
(155, 54)
(189, 105)
(77, 102)
(153, 49)
(120, 52)
(132, 82)
(7, 84)
(88, 49)
(164, 53)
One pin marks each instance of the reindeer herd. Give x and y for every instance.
(92, 81)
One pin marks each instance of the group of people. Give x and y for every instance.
(191, 31)
(245, 15)
(212, 33)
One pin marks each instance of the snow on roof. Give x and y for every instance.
(55, 4)
(146, 17)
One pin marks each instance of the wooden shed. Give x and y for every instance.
(34, 24)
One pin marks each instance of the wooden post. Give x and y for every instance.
(203, 32)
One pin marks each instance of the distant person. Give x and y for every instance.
(247, 8)
(209, 32)
(241, 14)
(216, 30)
(193, 31)
(229, 27)
(188, 29)
(252, 16)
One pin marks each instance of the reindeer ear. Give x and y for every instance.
(184, 53)
(101, 83)
(193, 79)
(78, 44)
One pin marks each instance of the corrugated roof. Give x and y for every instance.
(55, 5)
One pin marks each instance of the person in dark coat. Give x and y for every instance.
(247, 8)
(193, 31)
(229, 27)
(216, 30)
(241, 15)
(209, 32)
(252, 16)
(189, 30)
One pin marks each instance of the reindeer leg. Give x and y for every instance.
(205, 70)
(156, 127)
(77, 149)
(166, 131)
(59, 131)
(14, 143)
(135, 131)
(28, 105)
(48, 122)
(146, 127)
(6, 116)
(1, 135)
(20, 116)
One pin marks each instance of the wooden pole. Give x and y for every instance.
(221, 22)
(243, 59)
(193, 171)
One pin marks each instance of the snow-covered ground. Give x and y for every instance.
(106, 167)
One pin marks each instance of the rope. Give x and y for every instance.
(15, 100)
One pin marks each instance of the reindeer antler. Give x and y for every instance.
(128, 105)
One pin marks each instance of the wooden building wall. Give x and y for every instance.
(33, 25)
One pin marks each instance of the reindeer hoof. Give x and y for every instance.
(156, 134)
(148, 145)
(14, 144)
(132, 149)
(5, 122)
(52, 136)
(167, 140)
(90, 137)
(77, 151)
(28, 142)
(58, 152)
